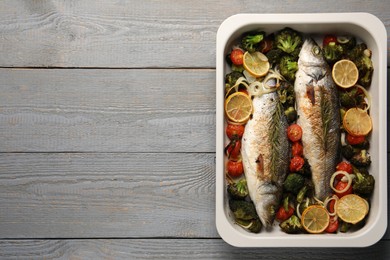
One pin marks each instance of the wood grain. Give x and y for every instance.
(107, 110)
(54, 195)
(128, 34)
(174, 249)
(111, 195)
(54, 110)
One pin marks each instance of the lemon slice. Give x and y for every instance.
(345, 73)
(315, 219)
(256, 63)
(351, 208)
(357, 122)
(238, 107)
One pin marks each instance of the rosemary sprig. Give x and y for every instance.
(326, 116)
(275, 138)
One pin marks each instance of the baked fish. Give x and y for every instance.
(265, 155)
(317, 106)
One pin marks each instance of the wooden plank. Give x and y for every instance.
(82, 195)
(175, 249)
(133, 35)
(107, 110)
(113, 110)
(55, 195)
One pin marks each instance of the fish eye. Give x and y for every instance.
(316, 50)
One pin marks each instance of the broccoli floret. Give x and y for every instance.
(348, 151)
(366, 69)
(363, 183)
(250, 41)
(288, 40)
(242, 209)
(253, 225)
(292, 225)
(238, 190)
(294, 182)
(332, 52)
(245, 215)
(232, 77)
(288, 67)
(361, 56)
(356, 52)
(347, 42)
(291, 114)
(274, 55)
(361, 159)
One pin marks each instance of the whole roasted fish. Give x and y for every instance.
(265, 155)
(318, 114)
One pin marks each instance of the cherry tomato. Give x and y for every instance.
(234, 131)
(237, 57)
(352, 140)
(328, 39)
(235, 168)
(345, 166)
(282, 214)
(294, 132)
(296, 163)
(340, 186)
(297, 149)
(232, 150)
(333, 225)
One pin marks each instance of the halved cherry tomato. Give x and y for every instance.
(331, 206)
(235, 168)
(294, 132)
(352, 140)
(340, 186)
(333, 225)
(237, 57)
(297, 149)
(234, 131)
(296, 163)
(343, 166)
(282, 214)
(232, 150)
(328, 39)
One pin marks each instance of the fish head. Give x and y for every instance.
(270, 199)
(311, 54)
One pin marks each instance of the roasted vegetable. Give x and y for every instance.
(363, 183)
(361, 56)
(232, 77)
(238, 190)
(347, 42)
(274, 55)
(289, 40)
(348, 151)
(292, 225)
(286, 94)
(250, 41)
(361, 159)
(306, 169)
(294, 182)
(332, 52)
(245, 215)
(288, 67)
(242, 209)
(253, 225)
(291, 114)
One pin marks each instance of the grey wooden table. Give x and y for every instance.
(107, 129)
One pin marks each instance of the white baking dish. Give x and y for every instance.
(369, 29)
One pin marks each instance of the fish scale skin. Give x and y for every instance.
(256, 151)
(314, 87)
